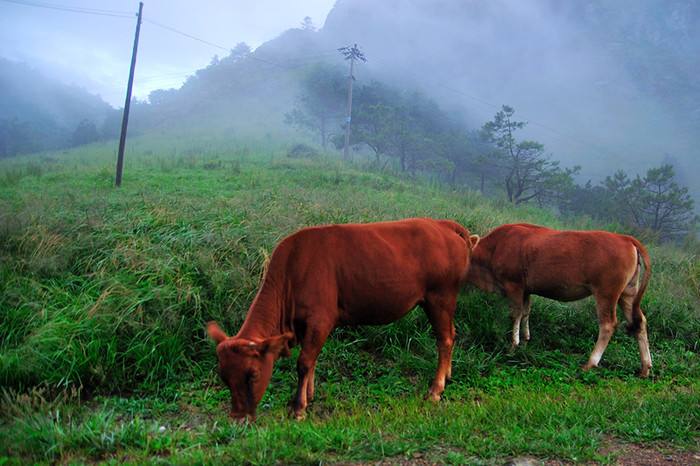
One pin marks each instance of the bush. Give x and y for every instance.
(302, 151)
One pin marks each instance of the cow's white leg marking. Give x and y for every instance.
(516, 330)
(604, 334)
(607, 321)
(526, 319)
(626, 302)
(643, 341)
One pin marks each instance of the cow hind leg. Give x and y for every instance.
(526, 319)
(440, 309)
(640, 330)
(448, 376)
(607, 321)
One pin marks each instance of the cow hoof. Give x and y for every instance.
(296, 413)
(434, 397)
(644, 372)
(587, 367)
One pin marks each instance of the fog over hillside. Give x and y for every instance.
(605, 85)
(38, 112)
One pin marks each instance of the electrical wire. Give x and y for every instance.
(73, 9)
(228, 49)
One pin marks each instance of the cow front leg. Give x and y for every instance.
(516, 302)
(300, 401)
(310, 384)
(306, 367)
(440, 311)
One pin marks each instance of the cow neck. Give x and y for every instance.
(268, 314)
(479, 268)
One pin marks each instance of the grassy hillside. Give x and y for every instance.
(104, 294)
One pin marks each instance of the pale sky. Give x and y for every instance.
(94, 51)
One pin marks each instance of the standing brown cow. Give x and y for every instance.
(324, 277)
(520, 260)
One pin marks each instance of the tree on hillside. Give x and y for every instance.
(405, 126)
(240, 51)
(307, 24)
(594, 201)
(320, 103)
(23, 137)
(162, 96)
(655, 202)
(479, 161)
(84, 133)
(528, 173)
(17, 137)
(111, 126)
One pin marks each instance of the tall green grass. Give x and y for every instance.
(106, 291)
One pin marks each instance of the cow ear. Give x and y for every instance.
(277, 344)
(215, 332)
(473, 240)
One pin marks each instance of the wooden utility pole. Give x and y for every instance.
(127, 103)
(350, 53)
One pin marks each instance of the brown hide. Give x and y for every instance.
(519, 260)
(324, 277)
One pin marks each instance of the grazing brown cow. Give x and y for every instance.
(521, 259)
(325, 277)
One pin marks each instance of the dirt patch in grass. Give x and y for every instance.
(649, 455)
(622, 454)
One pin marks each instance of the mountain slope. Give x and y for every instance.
(607, 86)
(42, 112)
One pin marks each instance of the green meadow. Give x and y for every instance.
(104, 294)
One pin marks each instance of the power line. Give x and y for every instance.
(182, 33)
(169, 76)
(227, 49)
(73, 9)
(204, 41)
(289, 64)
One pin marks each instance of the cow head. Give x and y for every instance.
(245, 366)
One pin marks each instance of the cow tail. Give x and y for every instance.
(634, 327)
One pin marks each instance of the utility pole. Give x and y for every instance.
(350, 53)
(127, 103)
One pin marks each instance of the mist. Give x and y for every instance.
(602, 86)
(589, 93)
